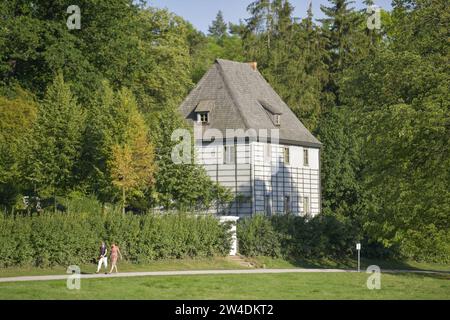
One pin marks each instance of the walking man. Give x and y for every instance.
(103, 259)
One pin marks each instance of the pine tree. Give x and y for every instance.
(340, 30)
(258, 32)
(294, 65)
(218, 28)
(56, 146)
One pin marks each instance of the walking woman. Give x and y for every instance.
(115, 253)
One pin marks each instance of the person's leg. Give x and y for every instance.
(99, 264)
(106, 263)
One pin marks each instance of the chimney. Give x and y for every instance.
(254, 65)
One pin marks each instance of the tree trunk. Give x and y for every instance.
(54, 198)
(123, 200)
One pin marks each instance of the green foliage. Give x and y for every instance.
(377, 99)
(218, 28)
(399, 95)
(257, 236)
(180, 186)
(73, 238)
(145, 50)
(17, 116)
(56, 144)
(341, 165)
(296, 237)
(291, 55)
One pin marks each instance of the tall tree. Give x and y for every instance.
(400, 95)
(144, 49)
(55, 149)
(340, 28)
(117, 151)
(18, 112)
(295, 64)
(218, 28)
(103, 126)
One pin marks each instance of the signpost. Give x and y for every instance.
(358, 247)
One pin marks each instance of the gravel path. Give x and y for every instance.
(200, 272)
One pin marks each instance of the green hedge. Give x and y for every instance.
(63, 239)
(293, 236)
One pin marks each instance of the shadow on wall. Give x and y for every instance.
(273, 194)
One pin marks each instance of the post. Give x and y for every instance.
(358, 248)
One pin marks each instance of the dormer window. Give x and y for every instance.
(277, 119)
(203, 117)
(203, 110)
(274, 112)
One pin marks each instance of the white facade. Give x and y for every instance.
(265, 178)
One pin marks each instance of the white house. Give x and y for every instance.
(275, 169)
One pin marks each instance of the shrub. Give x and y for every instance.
(257, 236)
(73, 238)
(294, 236)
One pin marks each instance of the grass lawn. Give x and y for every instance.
(250, 286)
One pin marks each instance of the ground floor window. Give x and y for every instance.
(306, 209)
(229, 155)
(287, 204)
(268, 205)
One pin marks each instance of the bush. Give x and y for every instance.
(294, 236)
(73, 238)
(257, 237)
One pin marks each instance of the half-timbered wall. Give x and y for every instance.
(262, 181)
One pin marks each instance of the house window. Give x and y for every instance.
(305, 157)
(203, 117)
(267, 153)
(277, 119)
(286, 155)
(287, 204)
(268, 206)
(306, 209)
(229, 154)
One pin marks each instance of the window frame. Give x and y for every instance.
(306, 157)
(267, 205)
(287, 204)
(287, 155)
(227, 154)
(267, 153)
(306, 205)
(277, 119)
(203, 117)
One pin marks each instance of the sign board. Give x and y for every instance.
(358, 246)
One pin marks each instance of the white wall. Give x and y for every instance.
(266, 183)
(276, 180)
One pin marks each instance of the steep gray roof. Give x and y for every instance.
(243, 100)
